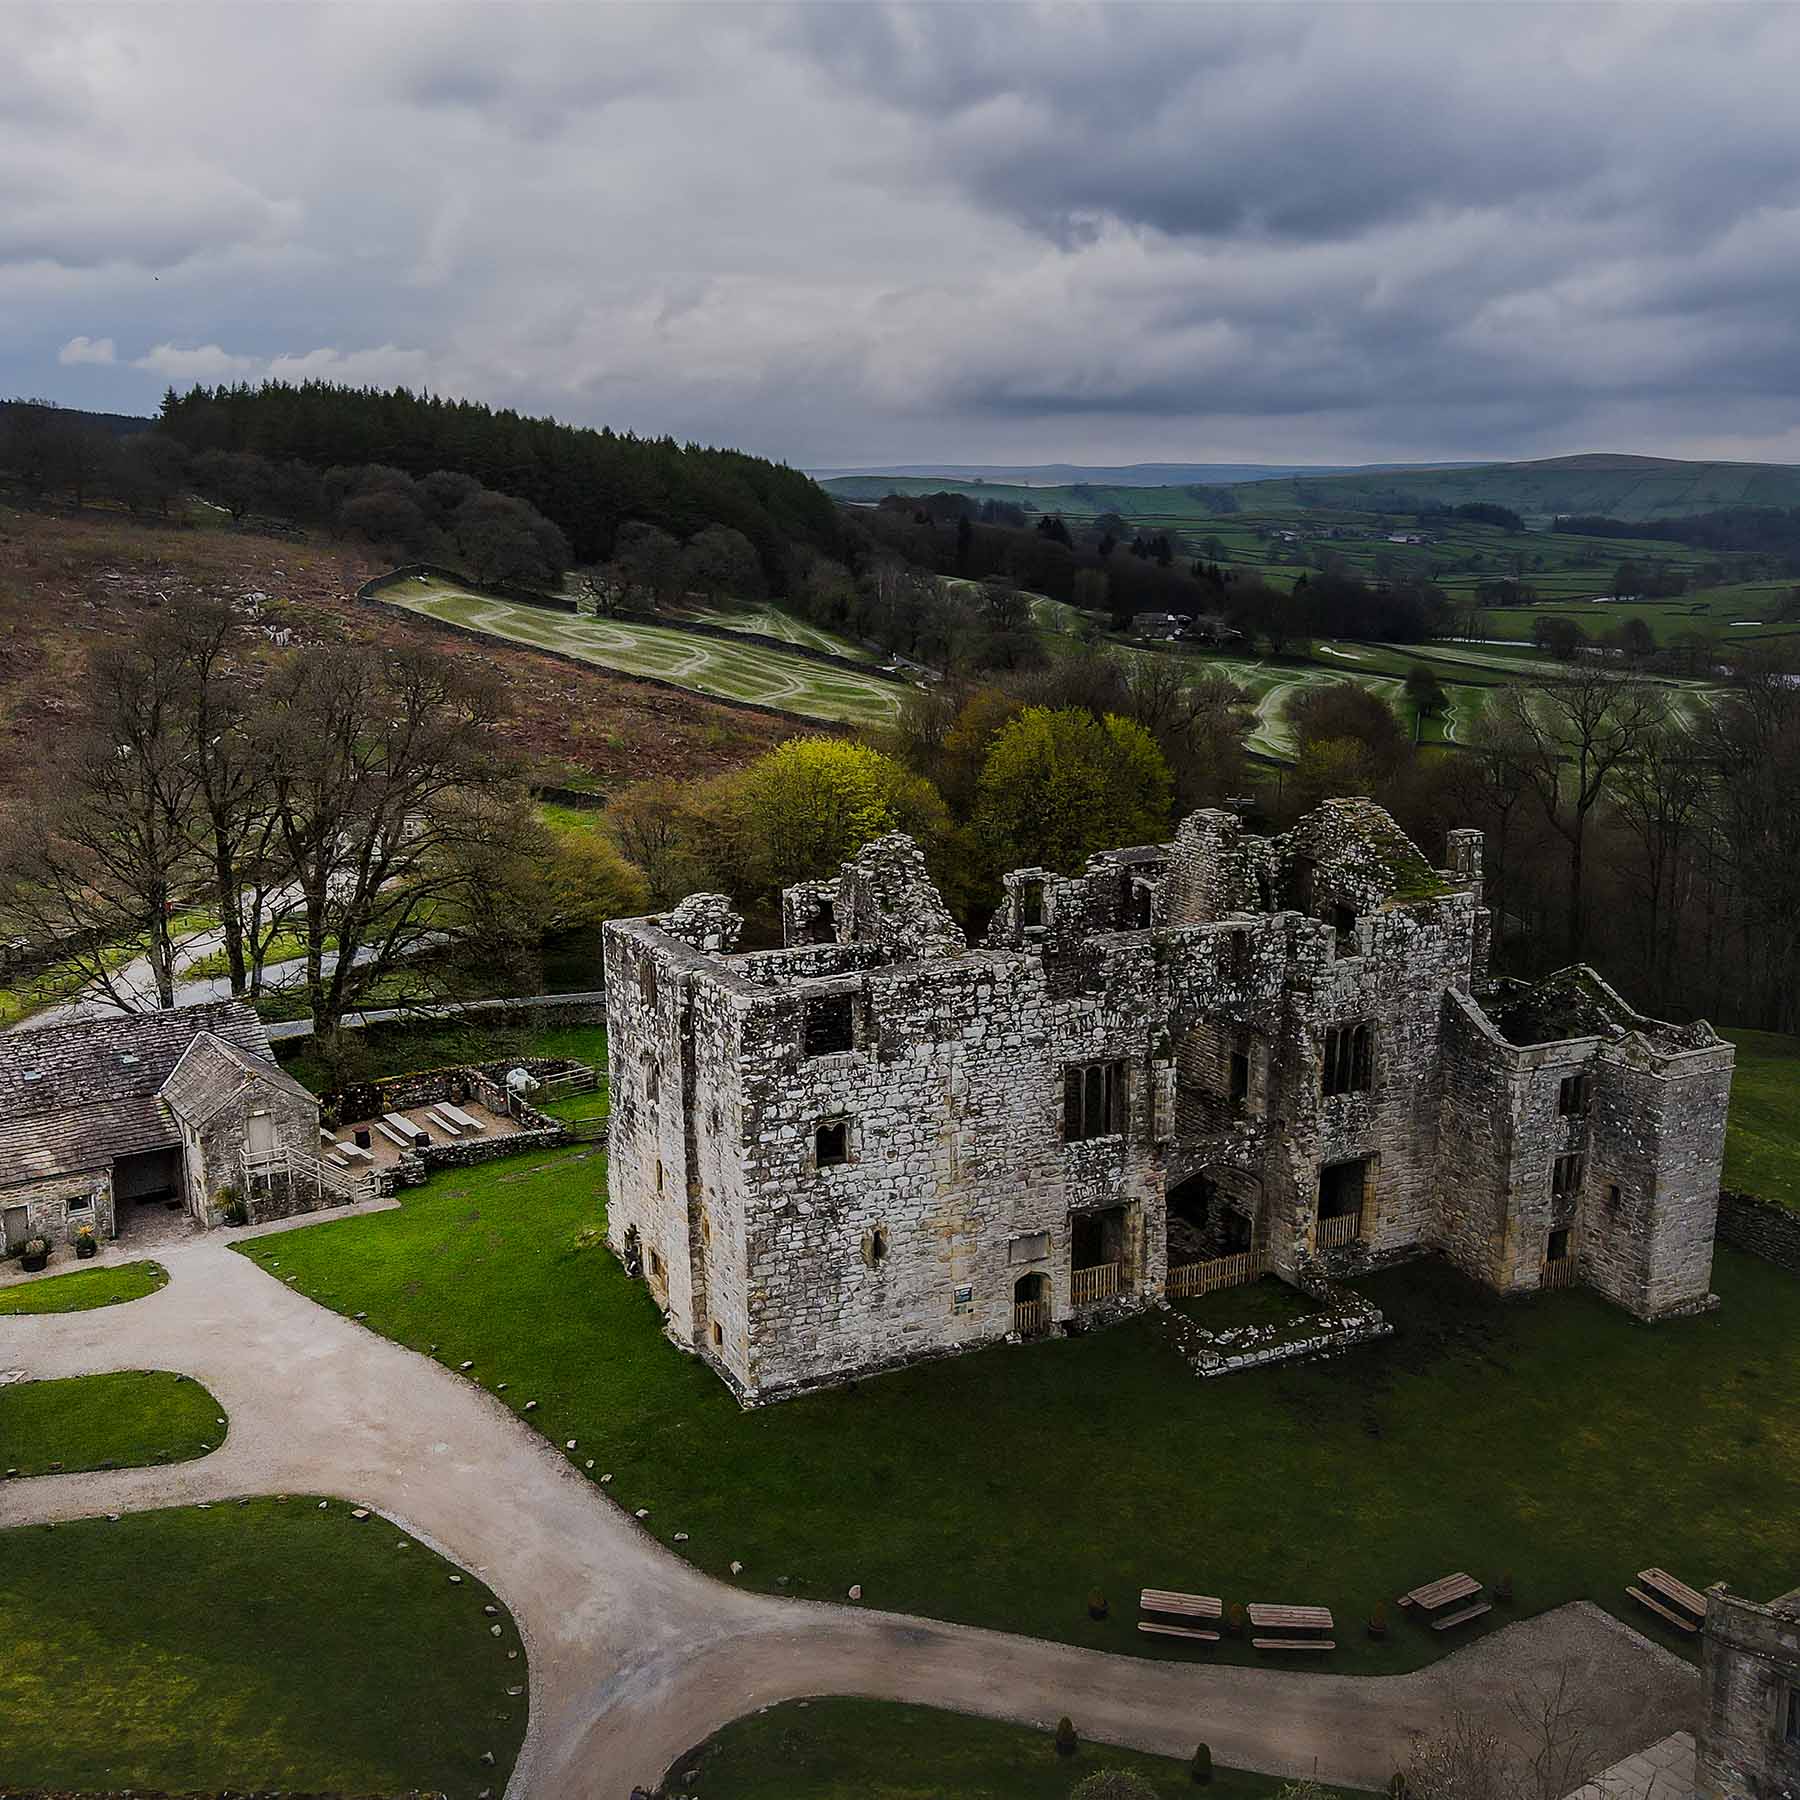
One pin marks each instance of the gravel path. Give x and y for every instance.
(634, 1656)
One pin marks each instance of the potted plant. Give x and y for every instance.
(35, 1254)
(1096, 1605)
(86, 1244)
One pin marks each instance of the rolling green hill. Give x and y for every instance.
(1622, 487)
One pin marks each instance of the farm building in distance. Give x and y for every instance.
(1192, 1061)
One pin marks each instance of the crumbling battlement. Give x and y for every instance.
(880, 1143)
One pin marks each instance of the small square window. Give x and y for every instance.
(1093, 1101)
(830, 1025)
(1565, 1177)
(80, 1202)
(831, 1143)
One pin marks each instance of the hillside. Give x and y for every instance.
(1115, 475)
(69, 584)
(1622, 487)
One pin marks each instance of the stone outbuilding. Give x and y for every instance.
(1190, 1064)
(100, 1118)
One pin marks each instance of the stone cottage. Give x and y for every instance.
(100, 1118)
(1190, 1063)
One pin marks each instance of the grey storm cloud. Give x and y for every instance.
(843, 233)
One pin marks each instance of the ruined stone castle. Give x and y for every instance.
(1191, 1063)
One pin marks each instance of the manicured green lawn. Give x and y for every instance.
(107, 1421)
(85, 1288)
(1762, 1147)
(875, 1750)
(1555, 1440)
(252, 1645)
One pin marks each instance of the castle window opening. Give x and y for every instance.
(1031, 904)
(1565, 1177)
(1343, 921)
(1093, 1101)
(1572, 1097)
(830, 1025)
(1558, 1248)
(875, 1247)
(1240, 1066)
(1341, 1189)
(825, 924)
(831, 1143)
(647, 982)
(718, 1334)
(652, 1080)
(657, 1271)
(1792, 1731)
(1348, 1056)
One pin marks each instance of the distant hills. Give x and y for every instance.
(1122, 475)
(1638, 488)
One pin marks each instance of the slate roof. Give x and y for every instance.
(75, 1097)
(213, 1071)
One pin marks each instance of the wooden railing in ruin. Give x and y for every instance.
(1187, 1281)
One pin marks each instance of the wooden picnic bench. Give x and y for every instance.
(355, 1152)
(1435, 1596)
(448, 1126)
(1308, 1622)
(1682, 1606)
(1180, 1606)
(466, 1120)
(392, 1136)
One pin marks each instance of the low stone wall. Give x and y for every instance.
(1344, 1319)
(451, 1081)
(1765, 1228)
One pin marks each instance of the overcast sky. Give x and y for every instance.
(846, 233)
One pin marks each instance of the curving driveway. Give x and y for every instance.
(633, 1655)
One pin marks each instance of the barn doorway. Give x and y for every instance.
(1031, 1305)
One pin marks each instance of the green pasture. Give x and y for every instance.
(841, 1749)
(255, 1645)
(1762, 1146)
(120, 1421)
(741, 672)
(1584, 1447)
(771, 621)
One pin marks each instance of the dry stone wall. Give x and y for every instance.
(1748, 1744)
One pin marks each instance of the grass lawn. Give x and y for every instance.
(876, 1750)
(85, 1288)
(107, 1422)
(1556, 1440)
(1762, 1147)
(399, 1049)
(261, 1644)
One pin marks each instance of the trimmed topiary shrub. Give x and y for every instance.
(1201, 1771)
(1067, 1743)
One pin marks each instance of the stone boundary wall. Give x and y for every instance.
(1764, 1228)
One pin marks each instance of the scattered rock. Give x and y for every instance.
(856, 1591)
(512, 1656)
(487, 1756)
(401, 1544)
(643, 1512)
(607, 1476)
(323, 1504)
(359, 1315)
(737, 1568)
(456, 1581)
(514, 1692)
(590, 1462)
(465, 1366)
(494, 1631)
(681, 1537)
(500, 1388)
(531, 1406)
(359, 1512)
(491, 1611)
(570, 1445)
(112, 1518)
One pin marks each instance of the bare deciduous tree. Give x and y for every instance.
(1572, 733)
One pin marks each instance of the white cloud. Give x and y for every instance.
(386, 366)
(207, 363)
(86, 350)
